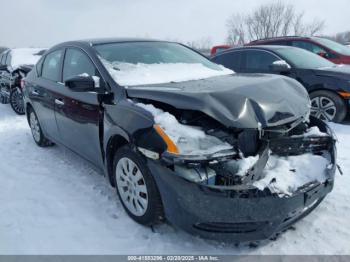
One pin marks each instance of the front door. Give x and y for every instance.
(78, 114)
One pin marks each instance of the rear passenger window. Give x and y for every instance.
(230, 60)
(39, 67)
(51, 67)
(3, 59)
(77, 63)
(8, 59)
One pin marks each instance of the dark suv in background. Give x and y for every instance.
(14, 66)
(327, 83)
(331, 50)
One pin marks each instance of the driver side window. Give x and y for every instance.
(77, 63)
(309, 46)
(259, 61)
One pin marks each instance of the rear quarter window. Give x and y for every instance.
(51, 68)
(39, 66)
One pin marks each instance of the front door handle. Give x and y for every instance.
(59, 102)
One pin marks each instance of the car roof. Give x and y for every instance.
(272, 39)
(260, 47)
(97, 41)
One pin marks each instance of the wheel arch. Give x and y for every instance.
(326, 90)
(343, 103)
(114, 143)
(28, 107)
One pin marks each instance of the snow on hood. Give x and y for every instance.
(190, 140)
(24, 56)
(127, 74)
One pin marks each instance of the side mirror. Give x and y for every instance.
(280, 66)
(82, 83)
(323, 54)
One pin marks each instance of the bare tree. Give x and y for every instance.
(203, 43)
(236, 30)
(270, 20)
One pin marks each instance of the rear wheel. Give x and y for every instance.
(328, 106)
(136, 187)
(37, 133)
(16, 101)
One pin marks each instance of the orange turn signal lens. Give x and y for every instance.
(344, 94)
(171, 147)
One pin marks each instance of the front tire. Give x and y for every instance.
(136, 187)
(37, 133)
(328, 106)
(16, 101)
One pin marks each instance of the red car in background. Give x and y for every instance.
(331, 50)
(218, 48)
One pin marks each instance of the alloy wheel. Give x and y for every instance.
(17, 102)
(131, 186)
(323, 108)
(34, 126)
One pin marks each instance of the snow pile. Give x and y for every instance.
(190, 140)
(284, 175)
(61, 206)
(245, 164)
(312, 131)
(127, 74)
(24, 56)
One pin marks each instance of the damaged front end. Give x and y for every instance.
(241, 184)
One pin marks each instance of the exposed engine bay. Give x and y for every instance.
(278, 158)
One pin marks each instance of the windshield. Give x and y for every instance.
(136, 63)
(301, 58)
(339, 48)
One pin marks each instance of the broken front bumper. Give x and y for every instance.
(233, 214)
(236, 213)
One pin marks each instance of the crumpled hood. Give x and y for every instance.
(240, 101)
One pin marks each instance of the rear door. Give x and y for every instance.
(43, 92)
(78, 114)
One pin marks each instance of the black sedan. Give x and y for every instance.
(327, 83)
(184, 139)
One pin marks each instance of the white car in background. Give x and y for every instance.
(14, 66)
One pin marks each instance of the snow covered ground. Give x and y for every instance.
(52, 202)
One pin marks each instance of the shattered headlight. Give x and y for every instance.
(195, 146)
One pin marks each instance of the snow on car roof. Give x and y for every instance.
(24, 56)
(128, 74)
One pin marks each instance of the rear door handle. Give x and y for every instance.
(59, 102)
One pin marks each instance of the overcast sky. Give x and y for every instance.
(47, 22)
